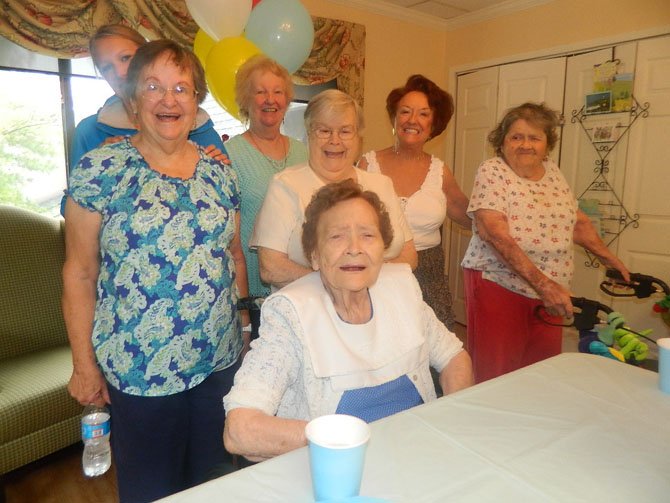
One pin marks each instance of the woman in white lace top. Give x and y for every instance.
(420, 111)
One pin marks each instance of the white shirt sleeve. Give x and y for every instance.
(443, 344)
(490, 188)
(273, 363)
(277, 218)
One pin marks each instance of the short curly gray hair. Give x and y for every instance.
(536, 114)
(330, 195)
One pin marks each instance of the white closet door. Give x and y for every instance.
(538, 81)
(646, 249)
(476, 106)
(578, 161)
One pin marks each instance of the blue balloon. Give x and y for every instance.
(283, 30)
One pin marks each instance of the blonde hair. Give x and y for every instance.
(113, 30)
(244, 85)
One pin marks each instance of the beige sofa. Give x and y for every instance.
(37, 415)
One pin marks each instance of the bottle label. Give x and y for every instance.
(95, 426)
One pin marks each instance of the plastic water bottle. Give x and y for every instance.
(95, 428)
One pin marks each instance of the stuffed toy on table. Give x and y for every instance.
(615, 340)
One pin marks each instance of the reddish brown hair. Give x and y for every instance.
(439, 101)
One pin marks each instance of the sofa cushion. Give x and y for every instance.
(33, 392)
(41, 443)
(32, 251)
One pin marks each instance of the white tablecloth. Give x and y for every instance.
(573, 428)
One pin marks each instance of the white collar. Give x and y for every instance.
(354, 356)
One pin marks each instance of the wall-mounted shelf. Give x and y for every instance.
(613, 216)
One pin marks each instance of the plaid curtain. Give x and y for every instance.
(62, 29)
(338, 53)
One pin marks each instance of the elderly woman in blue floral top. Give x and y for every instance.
(153, 270)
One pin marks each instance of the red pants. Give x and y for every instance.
(503, 332)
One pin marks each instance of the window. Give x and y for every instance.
(34, 122)
(224, 123)
(31, 141)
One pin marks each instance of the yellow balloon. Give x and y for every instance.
(223, 61)
(202, 44)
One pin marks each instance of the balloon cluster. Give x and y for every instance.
(231, 31)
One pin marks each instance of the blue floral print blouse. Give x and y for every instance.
(165, 315)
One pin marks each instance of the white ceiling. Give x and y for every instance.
(447, 14)
(445, 9)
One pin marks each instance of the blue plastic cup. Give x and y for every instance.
(664, 364)
(337, 445)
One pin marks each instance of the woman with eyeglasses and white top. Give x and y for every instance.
(334, 124)
(112, 47)
(153, 270)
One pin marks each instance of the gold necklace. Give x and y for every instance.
(408, 157)
(274, 163)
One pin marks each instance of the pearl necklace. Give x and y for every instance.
(277, 165)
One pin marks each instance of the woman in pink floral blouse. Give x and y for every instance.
(525, 221)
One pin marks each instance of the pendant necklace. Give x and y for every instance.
(274, 163)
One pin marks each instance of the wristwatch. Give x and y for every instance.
(247, 328)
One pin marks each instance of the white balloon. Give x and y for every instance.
(220, 18)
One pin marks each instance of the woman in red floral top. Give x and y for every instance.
(525, 222)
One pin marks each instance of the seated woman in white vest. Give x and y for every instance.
(352, 337)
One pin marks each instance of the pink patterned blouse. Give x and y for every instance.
(541, 216)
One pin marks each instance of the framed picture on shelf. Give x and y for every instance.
(603, 75)
(598, 103)
(604, 131)
(622, 92)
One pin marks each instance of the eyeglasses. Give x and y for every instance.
(324, 133)
(181, 93)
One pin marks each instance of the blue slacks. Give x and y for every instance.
(163, 445)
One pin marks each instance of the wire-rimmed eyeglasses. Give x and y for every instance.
(182, 93)
(325, 133)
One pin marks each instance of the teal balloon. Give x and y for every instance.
(283, 30)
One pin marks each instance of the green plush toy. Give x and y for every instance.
(629, 345)
(615, 321)
(663, 307)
